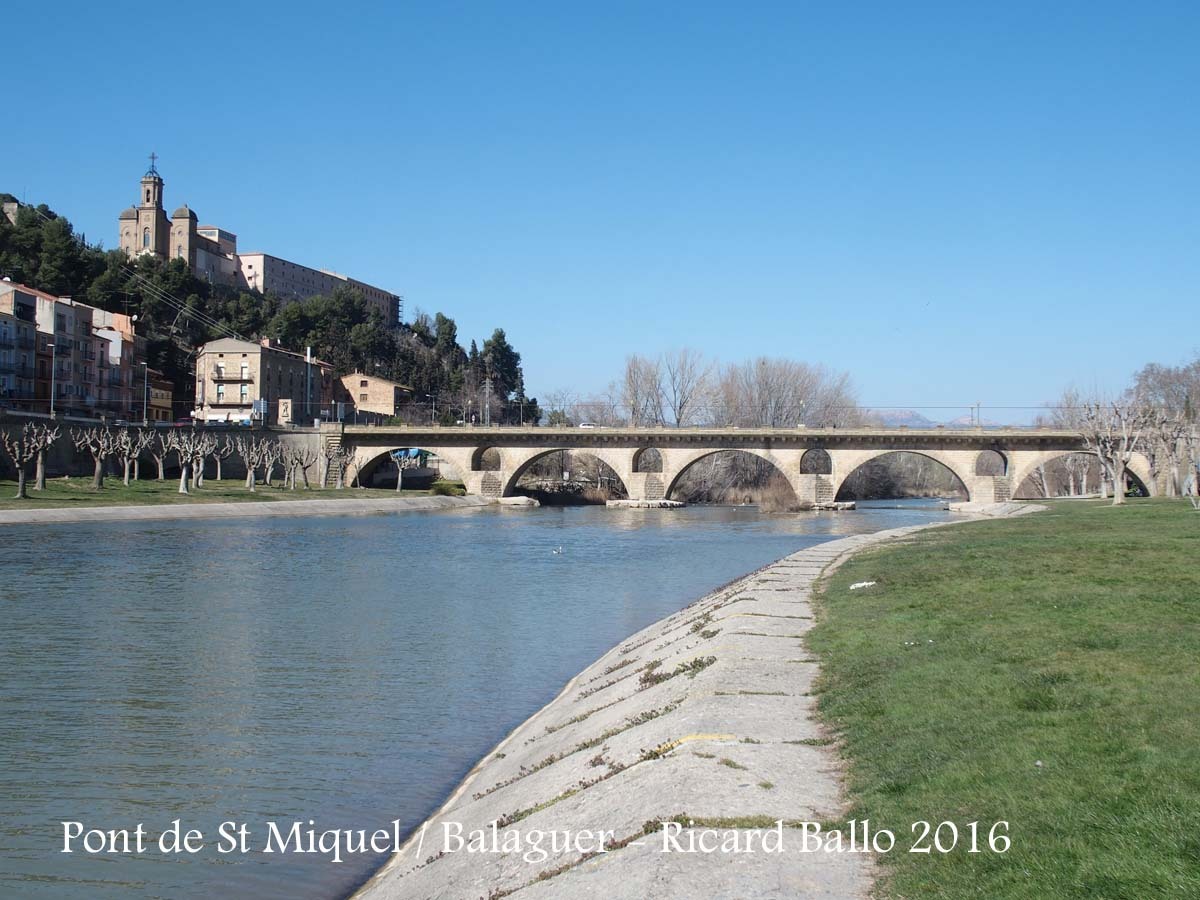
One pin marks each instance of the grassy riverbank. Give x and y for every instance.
(1043, 670)
(77, 493)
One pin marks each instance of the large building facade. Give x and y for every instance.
(211, 252)
(244, 382)
(89, 359)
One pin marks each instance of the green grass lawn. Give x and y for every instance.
(69, 493)
(1070, 637)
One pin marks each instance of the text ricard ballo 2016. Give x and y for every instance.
(534, 845)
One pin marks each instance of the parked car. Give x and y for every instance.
(587, 424)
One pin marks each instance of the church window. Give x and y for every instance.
(146, 237)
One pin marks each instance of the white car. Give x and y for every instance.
(587, 424)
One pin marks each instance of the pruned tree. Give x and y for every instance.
(22, 448)
(272, 454)
(253, 453)
(160, 448)
(192, 446)
(46, 436)
(403, 460)
(342, 459)
(1163, 447)
(204, 448)
(298, 458)
(221, 451)
(101, 443)
(130, 444)
(1114, 431)
(329, 453)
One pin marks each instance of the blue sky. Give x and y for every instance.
(954, 203)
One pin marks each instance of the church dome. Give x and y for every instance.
(130, 213)
(183, 213)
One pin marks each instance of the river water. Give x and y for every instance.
(344, 670)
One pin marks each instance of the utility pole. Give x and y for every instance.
(487, 400)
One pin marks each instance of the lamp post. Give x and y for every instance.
(432, 415)
(53, 358)
(145, 393)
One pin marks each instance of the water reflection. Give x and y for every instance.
(347, 670)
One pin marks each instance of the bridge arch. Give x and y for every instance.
(682, 465)
(961, 469)
(816, 462)
(991, 462)
(510, 484)
(486, 458)
(1138, 469)
(369, 461)
(647, 459)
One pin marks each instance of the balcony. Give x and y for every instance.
(6, 343)
(25, 344)
(219, 374)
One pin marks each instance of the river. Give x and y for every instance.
(344, 670)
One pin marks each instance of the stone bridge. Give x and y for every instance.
(991, 463)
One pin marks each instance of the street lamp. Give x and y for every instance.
(53, 357)
(145, 392)
(432, 415)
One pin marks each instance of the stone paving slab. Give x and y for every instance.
(706, 712)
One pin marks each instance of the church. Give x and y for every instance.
(209, 251)
(212, 253)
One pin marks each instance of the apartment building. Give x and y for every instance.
(241, 381)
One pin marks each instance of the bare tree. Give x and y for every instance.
(253, 452)
(329, 453)
(204, 447)
(684, 385)
(130, 444)
(162, 447)
(403, 461)
(192, 447)
(1114, 431)
(101, 443)
(223, 450)
(297, 458)
(272, 454)
(1163, 446)
(342, 459)
(46, 437)
(642, 391)
(22, 448)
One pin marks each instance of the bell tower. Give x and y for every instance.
(144, 228)
(152, 186)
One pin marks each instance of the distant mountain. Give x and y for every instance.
(968, 420)
(894, 418)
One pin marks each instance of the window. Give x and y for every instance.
(146, 231)
(363, 384)
(245, 393)
(362, 398)
(220, 393)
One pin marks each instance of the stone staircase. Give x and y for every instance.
(491, 486)
(824, 490)
(1001, 489)
(654, 488)
(332, 440)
